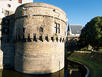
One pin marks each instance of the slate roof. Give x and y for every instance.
(75, 29)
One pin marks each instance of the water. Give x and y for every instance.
(73, 70)
(76, 70)
(12, 73)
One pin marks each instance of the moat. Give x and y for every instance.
(73, 70)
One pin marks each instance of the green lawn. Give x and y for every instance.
(93, 61)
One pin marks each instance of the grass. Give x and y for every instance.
(84, 51)
(93, 61)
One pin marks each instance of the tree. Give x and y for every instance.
(92, 33)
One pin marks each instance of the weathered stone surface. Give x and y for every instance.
(34, 52)
(7, 44)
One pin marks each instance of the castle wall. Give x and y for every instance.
(39, 48)
(39, 57)
(7, 8)
(7, 43)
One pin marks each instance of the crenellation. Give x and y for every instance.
(34, 38)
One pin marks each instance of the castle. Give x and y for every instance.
(73, 31)
(33, 38)
(73, 34)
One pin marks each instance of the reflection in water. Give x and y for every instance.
(12, 73)
(72, 70)
(76, 69)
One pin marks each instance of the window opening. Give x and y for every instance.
(41, 29)
(57, 28)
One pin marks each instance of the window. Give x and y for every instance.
(7, 13)
(9, 5)
(19, 1)
(41, 29)
(57, 28)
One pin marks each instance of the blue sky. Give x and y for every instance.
(78, 11)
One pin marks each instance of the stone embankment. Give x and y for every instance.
(1, 59)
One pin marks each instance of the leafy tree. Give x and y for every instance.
(92, 33)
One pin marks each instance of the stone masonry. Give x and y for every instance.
(40, 35)
(7, 43)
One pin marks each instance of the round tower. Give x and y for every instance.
(40, 34)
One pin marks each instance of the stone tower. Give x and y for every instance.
(40, 34)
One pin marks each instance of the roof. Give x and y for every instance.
(75, 29)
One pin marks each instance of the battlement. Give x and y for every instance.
(36, 38)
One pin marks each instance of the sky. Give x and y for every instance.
(78, 11)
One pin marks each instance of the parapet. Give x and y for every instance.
(42, 9)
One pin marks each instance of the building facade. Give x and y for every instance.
(73, 31)
(73, 34)
(7, 9)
